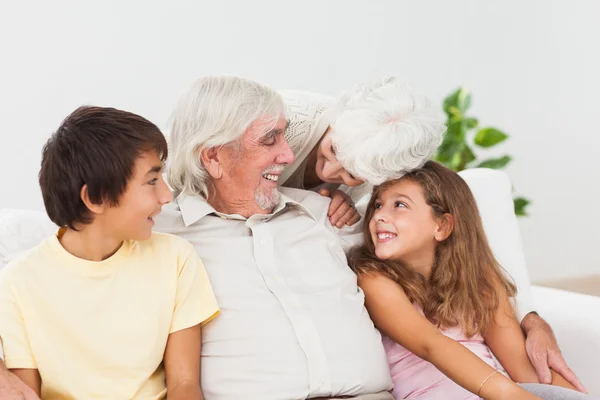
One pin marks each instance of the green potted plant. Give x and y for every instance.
(464, 134)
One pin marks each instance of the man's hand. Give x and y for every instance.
(12, 388)
(341, 209)
(544, 353)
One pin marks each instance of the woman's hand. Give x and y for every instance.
(341, 209)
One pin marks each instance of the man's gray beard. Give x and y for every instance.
(267, 200)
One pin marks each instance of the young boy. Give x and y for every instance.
(106, 308)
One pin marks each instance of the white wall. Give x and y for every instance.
(532, 65)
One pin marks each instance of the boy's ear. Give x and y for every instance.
(444, 227)
(211, 160)
(96, 208)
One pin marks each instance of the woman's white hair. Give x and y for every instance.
(214, 112)
(384, 130)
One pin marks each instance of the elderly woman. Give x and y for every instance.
(374, 133)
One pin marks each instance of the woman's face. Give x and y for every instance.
(328, 168)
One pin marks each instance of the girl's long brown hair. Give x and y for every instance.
(464, 283)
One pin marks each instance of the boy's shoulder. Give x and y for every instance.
(160, 241)
(26, 261)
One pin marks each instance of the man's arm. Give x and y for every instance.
(182, 364)
(493, 193)
(544, 353)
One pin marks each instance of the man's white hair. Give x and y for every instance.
(384, 130)
(214, 112)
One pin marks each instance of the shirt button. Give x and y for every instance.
(263, 241)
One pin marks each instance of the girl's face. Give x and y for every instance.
(403, 227)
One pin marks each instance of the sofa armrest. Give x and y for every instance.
(574, 319)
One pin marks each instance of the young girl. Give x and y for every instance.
(435, 291)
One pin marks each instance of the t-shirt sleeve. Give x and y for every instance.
(13, 334)
(195, 301)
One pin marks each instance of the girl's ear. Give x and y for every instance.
(444, 227)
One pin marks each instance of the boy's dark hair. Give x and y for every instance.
(97, 146)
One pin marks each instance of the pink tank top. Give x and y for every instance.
(415, 378)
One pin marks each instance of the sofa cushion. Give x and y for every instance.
(21, 230)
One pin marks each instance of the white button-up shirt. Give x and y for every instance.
(293, 323)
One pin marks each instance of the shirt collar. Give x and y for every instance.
(193, 208)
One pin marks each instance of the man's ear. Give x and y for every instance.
(444, 227)
(210, 159)
(95, 208)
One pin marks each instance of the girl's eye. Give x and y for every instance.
(332, 150)
(377, 206)
(400, 204)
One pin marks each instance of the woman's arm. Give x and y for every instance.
(507, 341)
(30, 377)
(182, 364)
(394, 314)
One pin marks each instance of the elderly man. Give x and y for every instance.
(293, 323)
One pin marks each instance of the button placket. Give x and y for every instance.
(304, 328)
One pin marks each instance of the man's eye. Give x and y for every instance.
(153, 182)
(270, 141)
(332, 150)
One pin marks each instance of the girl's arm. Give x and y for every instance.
(182, 364)
(507, 341)
(30, 377)
(394, 314)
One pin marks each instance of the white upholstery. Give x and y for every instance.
(21, 230)
(574, 317)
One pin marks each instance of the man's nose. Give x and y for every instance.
(286, 155)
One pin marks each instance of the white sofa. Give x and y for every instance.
(574, 317)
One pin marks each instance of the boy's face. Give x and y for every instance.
(144, 196)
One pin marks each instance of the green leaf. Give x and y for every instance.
(520, 204)
(463, 100)
(451, 103)
(468, 155)
(453, 142)
(488, 137)
(455, 161)
(495, 163)
(457, 131)
(458, 102)
(471, 122)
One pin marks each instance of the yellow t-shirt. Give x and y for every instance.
(98, 330)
